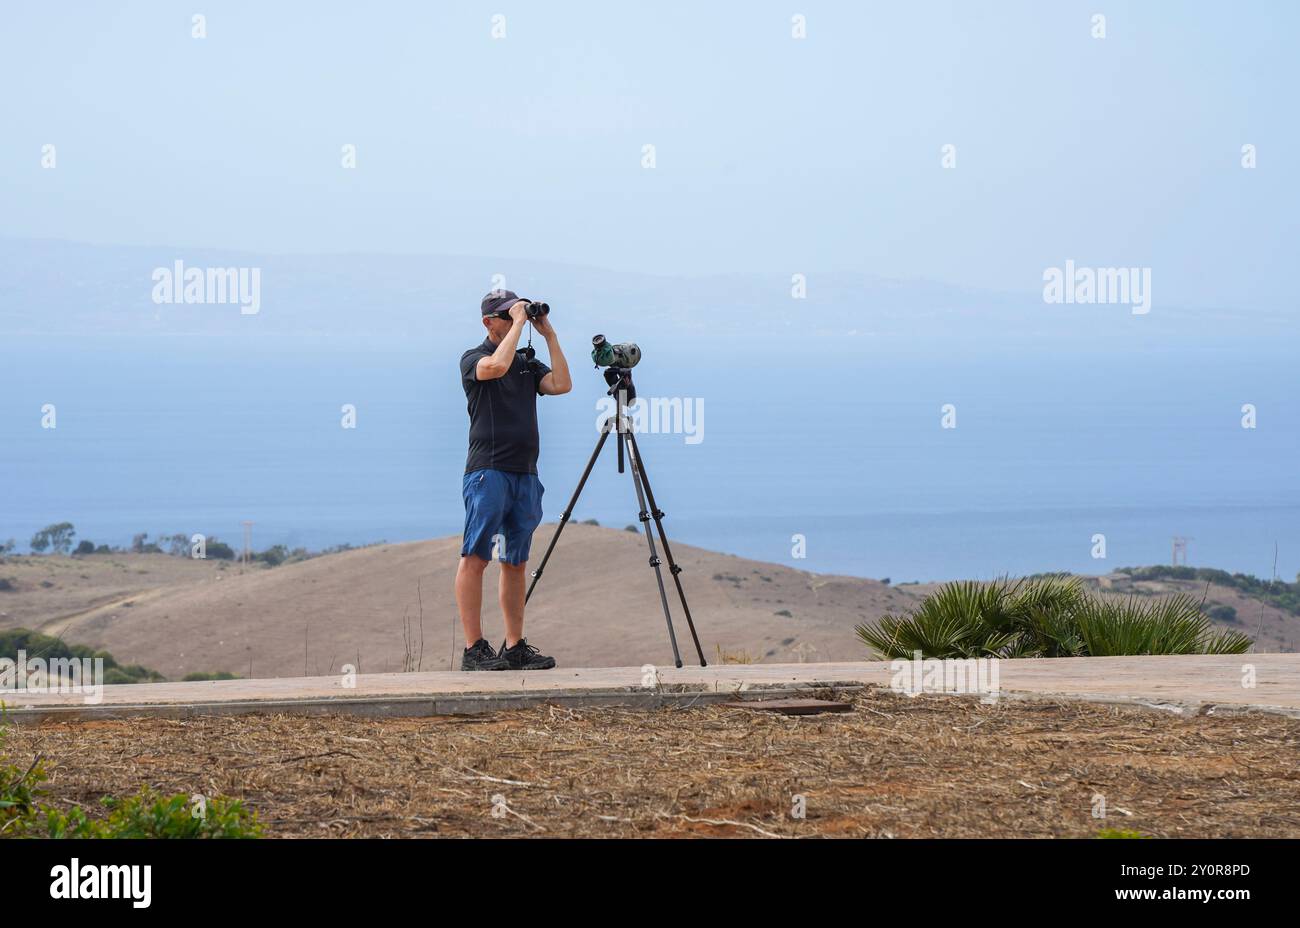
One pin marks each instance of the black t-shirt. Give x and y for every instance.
(502, 412)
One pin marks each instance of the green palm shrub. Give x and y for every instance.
(1044, 609)
(1045, 616)
(1005, 618)
(1172, 625)
(960, 619)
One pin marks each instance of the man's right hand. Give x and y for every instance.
(519, 312)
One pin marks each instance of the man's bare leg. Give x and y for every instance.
(469, 596)
(511, 593)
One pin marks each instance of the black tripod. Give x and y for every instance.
(621, 388)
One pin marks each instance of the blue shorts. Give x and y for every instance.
(499, 503)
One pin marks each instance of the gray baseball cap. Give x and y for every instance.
(497, 300)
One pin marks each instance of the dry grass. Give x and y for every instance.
(932, 766)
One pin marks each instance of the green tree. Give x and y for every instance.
(140, 544)
(177, 545)
(56, 538)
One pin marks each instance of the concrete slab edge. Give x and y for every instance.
(423, 705)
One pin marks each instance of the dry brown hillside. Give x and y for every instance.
(598, 605)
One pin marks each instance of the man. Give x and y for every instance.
(503, 495)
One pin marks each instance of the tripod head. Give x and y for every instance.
(620, 381)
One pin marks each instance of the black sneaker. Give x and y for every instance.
(482, 657)
(523, 656)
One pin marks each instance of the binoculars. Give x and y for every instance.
(532, 310)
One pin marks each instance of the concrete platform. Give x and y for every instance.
(1199, 684)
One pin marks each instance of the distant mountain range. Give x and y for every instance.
(56, 287)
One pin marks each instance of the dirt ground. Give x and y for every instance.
(932, 766)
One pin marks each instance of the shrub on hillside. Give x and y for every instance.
(36, 645)
(199, 676)
(1277, 593)
(1220, 612)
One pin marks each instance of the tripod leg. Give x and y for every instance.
(564, 516)
(654, 555)
(673, 568)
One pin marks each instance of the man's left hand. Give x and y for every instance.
(543, 326)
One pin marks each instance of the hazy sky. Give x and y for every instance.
(771, 152)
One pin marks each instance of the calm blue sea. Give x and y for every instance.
(837, 441)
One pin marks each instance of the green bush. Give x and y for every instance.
(1047, 616)
(219, 550)
(1220, 612)
(45, 646)
(18, 791)
(273, 556)
(148, 815)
